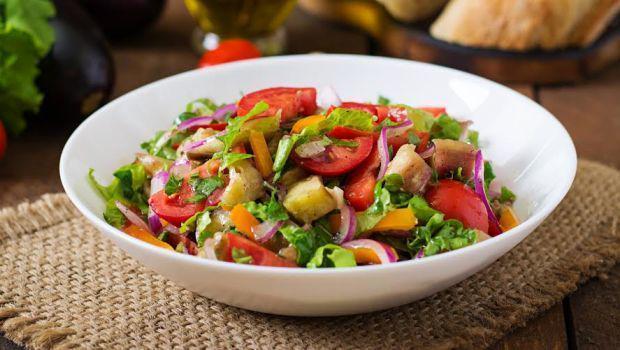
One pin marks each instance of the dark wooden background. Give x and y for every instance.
(587, 319)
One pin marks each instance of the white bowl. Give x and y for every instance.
(532, 153)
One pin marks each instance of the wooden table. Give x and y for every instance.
(588, 318)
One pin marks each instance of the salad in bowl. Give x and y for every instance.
(295, 177)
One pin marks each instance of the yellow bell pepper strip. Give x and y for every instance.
(507, 218)
(399, 219)
(307, 121)
(145, 236)
(243, 220)
(365, 256)
(263, 160)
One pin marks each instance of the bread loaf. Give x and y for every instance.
(521, 25)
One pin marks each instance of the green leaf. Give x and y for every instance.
(231, 158)
(439, 236)
(234, 125)
(127, 186)
(343, 143)
(241, 257)
(285, 147)
(446, 128)
(113, 215)
(132, 178)
(489, 175)
(380, 207)
(350, 118)
(506, 195)
(201, 107)
(413, 138)
(423, 212)
(25, 38)
(306, 242)
(422, 120)
(331, 255)
(473, 138)
(204, 187)
(184, 116)
(273, 210)
(173, 185)
(383, 101)
(393, 182)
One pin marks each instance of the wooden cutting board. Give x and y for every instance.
(414, 42)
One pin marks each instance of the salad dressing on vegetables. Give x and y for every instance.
(277, 179)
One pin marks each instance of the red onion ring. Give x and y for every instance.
(172, 229)
(218, 115)
(266, 230)
(180, 168)
(159, 180)
(132, 217)
(428, 152)
(348, 225)
(420, 254)
(384, 252)
(479, 189)
(397, 130)
(154, 222)
(384, 154)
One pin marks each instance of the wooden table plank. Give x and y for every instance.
(591, 114)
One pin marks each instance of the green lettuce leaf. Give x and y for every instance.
(25, 38)
(240, 256)
(423, 212)
(273, 210)
(506, 195)
(127, 186)
(439, 236)
(331, 255)
(306, 242)
(446, 127)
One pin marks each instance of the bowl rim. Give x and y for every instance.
(529, 224)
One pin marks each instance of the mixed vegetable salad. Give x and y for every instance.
(286, 178)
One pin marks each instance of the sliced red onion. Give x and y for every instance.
(464, 128)
(154, 222)
(428, 152)
(180, 168)
(221, 112)
(172, 229)
(159, 180)
(384, 252)
(420, 254)
(196, 122)
(384, 154)
(398, 130)
(348, 225)
(209, 249)
(327, 97)
(189, 146)
(311, 149)
(132, 217)
(479, 188)
(265, 230)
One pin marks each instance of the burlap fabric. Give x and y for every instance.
(64, 286)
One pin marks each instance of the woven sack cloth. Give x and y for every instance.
(65, 286)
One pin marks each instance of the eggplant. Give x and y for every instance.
(122, 18)
(77, 76)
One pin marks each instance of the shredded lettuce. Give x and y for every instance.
(241, 257)
(422, 120)
(201, 107)
(25, 38)
(383, 101)
(423, 212)
(446, 127)
(506, 195)
(331, 255)
(439, 235)
(473, 138)
(306, 242)
(228, 159)
(203, 187)
(273, 210)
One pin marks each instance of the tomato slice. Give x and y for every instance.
(228, 51)
(342, 132)
(175, 209)
(458, 201)
(337, 160)
(435, 111)
(292, 101)
(260, 256)
(359, 187)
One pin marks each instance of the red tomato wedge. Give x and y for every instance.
(337, 160)
(291, 101)
(175, 209)
(260, 256)
(342, 132)
(457, 201)
(435, 111)
(359, 187)
(228, 51)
